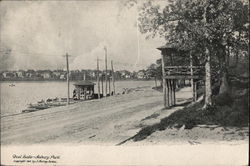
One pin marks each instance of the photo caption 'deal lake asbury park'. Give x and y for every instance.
(145, 81)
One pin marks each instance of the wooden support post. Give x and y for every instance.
(113, 76)
(168, 96)
(109, 84)
(174, 87)
(98, 79)
(163, 81)
(67, 63)
(195, 91)
(170, 93)
(85, 95)
(173, 93)
(102, 85)
(106, 70)
(172, 82)
(78, 93)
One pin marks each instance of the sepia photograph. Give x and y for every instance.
(124, 82)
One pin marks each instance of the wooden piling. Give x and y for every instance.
(174, 88)
(170, 93)
(113, 77)
(67, 63)
(195, 91)
(78, 91)
(98, 79)
(106, 72)
(173, 92)
(109, 84)
(85, 95)
(171, 83)
(102, 84)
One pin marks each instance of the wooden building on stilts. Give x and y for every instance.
(172, 73)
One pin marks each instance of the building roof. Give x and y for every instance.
(84, 83)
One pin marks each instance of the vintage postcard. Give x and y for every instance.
(124, 82)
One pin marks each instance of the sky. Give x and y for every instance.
(40, 33)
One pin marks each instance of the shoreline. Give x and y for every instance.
(110, 121)
(11, 81)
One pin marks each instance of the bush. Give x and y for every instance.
(190, 123)
(223, 99)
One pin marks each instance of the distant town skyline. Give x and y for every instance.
(36, 35)
(52, 75)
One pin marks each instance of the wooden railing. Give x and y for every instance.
(184, 72)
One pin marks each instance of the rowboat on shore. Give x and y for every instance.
(41, 105)
(84, 90)
(29, 110)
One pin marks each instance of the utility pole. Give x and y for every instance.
(67, 63)
(113, 77)
(106, 69)
(98, 80)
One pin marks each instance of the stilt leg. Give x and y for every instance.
(174, 86)
(167, 93)
(171, 93)
(195, 91)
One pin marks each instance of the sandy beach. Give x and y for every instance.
(109, 121)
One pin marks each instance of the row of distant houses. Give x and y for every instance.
(74, 74)
(44, 74)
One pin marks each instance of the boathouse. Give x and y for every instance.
(84, 90)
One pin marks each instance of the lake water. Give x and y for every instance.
(16, 98)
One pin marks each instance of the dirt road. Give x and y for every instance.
(107, 121)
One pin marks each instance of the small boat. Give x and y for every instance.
(29, 110)
(55, 103)
(11, 85)
(39, 106)
(49, 103)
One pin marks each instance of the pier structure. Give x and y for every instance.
(109, 76)
(172, 73)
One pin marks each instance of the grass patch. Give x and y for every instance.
(228, 111)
